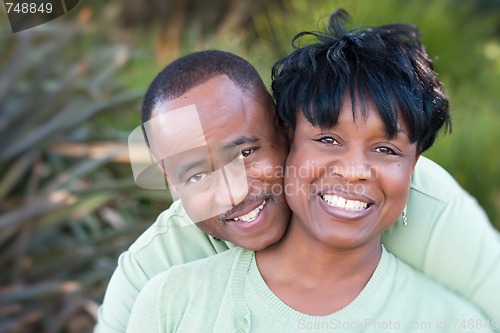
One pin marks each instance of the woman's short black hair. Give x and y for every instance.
(386, 64)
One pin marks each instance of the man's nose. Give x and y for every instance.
(236, 181)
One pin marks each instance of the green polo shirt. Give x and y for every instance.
(227, 293)
(448, 238)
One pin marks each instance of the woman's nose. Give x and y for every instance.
(354, 167)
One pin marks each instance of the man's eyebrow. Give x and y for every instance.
(188, 166)
(239, 141)
(185, 167)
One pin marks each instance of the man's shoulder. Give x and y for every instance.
(432, 180)
(172, 220)
(172, 240)
(430, 297)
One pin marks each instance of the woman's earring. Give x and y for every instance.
(405, 218)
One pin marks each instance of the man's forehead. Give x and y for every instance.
(171, 132)
(176, 131)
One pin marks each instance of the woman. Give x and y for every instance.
(361, 106)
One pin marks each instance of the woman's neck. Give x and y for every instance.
(313, 277)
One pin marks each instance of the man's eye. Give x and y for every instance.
(245, 153)
(196, 178)
(385, 150)
(328, 140)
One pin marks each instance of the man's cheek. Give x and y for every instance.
(215, 195)
(236, 179)
(267, 169)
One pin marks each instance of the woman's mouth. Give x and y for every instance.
(343, 203)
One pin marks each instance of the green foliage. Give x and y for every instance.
(63, 220)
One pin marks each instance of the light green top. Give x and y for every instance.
(226, 293)
(448, 238)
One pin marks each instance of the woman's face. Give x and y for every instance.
(347, 184)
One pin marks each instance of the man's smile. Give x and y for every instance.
(250, 216)
(246, 212)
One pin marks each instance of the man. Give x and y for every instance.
(234, 107)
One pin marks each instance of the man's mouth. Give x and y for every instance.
(340, 202)
(250, 216)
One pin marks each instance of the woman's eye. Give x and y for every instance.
(328, 140)
(385, 150)
(196, 178)
(245, 153)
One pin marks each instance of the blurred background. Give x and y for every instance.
(70, 94)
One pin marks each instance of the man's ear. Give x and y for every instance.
(288, 133)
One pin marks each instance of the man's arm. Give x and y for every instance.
(123, 288)
(449, 238)
(166, 243)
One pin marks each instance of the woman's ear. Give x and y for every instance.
(417, 156)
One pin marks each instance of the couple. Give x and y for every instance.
(356, 109)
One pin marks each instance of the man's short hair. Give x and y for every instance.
(196, 68)
(386, 64)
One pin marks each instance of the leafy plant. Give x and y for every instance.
(59, 216)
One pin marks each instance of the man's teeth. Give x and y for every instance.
(250, 216)
(336, 201)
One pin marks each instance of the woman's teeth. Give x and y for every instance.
(250, 216)
(336, 201)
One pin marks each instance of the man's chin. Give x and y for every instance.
(254, 224)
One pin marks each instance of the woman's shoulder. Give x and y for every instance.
(191, 288)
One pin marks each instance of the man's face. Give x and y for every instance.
(222, 155)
